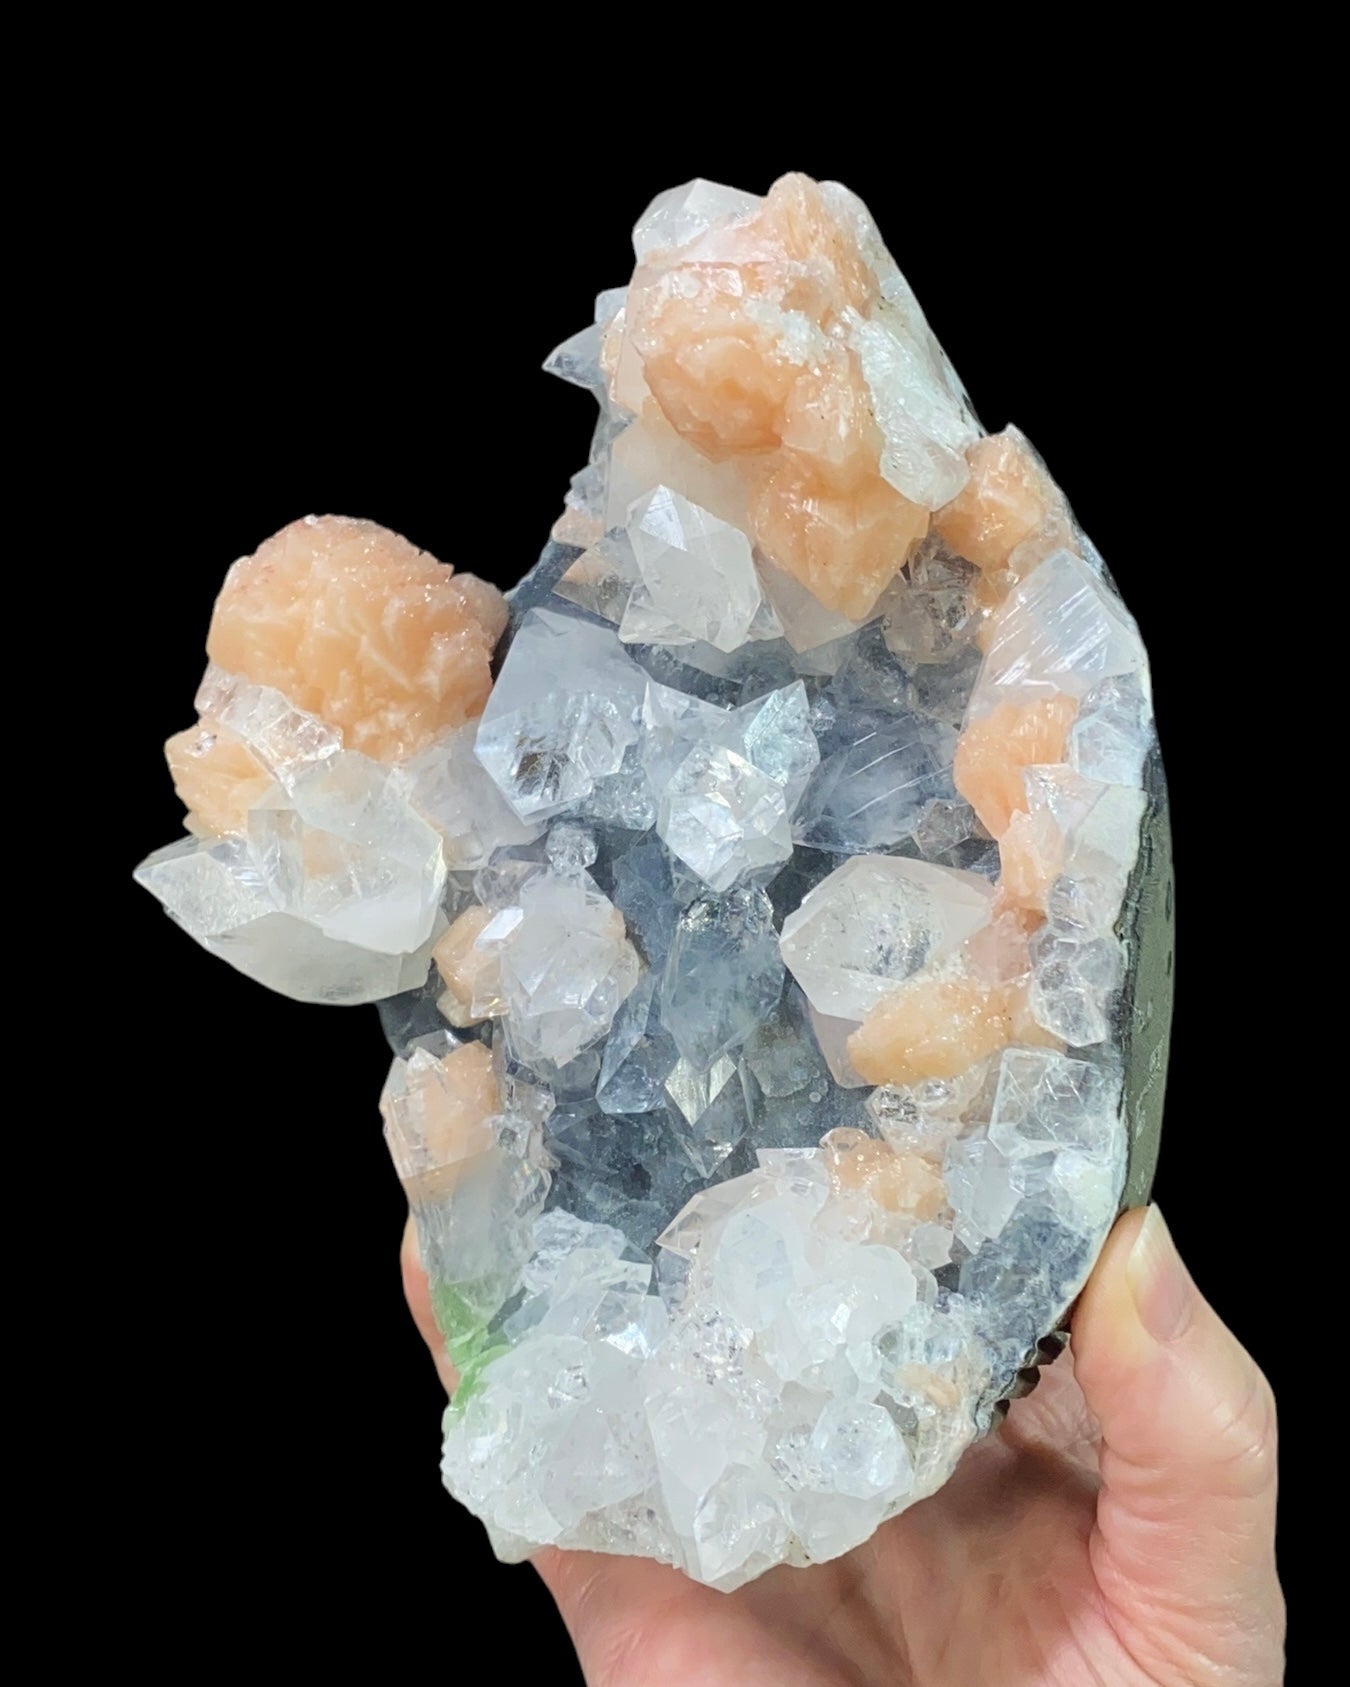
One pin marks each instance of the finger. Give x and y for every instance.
(417, 1292)
(1186, 1516)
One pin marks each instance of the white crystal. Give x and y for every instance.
(712, 1107)
(577, 359)
(729, 780)
(345, 851)
(562, 713)
(875, 781)
(212, 887)
(333, 896)
(859, 1451)
(932, 615)
(566, 964)
(1059, 630)
(451, 788)
(650, 453)
(698, 579)
(571, 848)
(1073, 978)
(723, 817)
(943, 825)
(475, 1229)
(1113, 731)
(807, 624)
(601, 579)
(723, 974)
(832, 1035)
(681, 214)
(1047, 1101)
(875, 922)
(981, 1190)
(922, 1118)
(925, 430)
(286, 740)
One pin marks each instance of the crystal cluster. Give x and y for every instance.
(755, 948)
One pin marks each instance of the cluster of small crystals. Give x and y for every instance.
(330, 780)
(751, 947)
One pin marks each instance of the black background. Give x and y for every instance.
(354, 322)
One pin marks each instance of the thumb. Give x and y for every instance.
(1185, 1538)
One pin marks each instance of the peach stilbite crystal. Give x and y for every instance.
(436, 1110)
(1030, 854)
(741, 338)
(217, 777)
(357, 626)
(469, 974)
(837, 275)
(900, 1183)
(996, 748)
(721, 370)
(721, 379)
(1005, 501)
(829, 425)
(930, 1028)
(844, 547)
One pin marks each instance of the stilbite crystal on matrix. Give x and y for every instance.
(775, 956)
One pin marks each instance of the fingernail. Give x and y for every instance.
(1160, 1283)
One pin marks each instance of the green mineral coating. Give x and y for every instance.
(467, 1342)
(471, 1376)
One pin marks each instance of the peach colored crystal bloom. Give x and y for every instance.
(994, 749)
(835, 275)
(720, 371)
(930, 1028)
(721, 379)
(466, 972)
(734, 337)
(217, 777)
(939, 1028)
(454, 1104)
(354, 624)
(845, 548)
(828, 425)
(1031, 857)
(1005, 501)
(900, 1183)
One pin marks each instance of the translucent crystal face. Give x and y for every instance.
(756, 954)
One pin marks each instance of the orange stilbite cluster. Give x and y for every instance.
(217, 778)
(1030, 855)
(996, 748)
(350, 624)
(930, 1028)
(741, 338)
(940, 1028)
(436, 1112)
(468, 973)
(1006, 500)
(354, 624)
(898, 1183)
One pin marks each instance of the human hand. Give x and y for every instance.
(1118, 1529)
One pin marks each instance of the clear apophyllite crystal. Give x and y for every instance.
(769, 955)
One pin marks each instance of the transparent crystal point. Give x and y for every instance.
(875, 922)
(697, 572)
(562, 713)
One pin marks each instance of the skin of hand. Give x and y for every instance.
(1117, 1531)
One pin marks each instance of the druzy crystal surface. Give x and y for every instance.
(761, 948)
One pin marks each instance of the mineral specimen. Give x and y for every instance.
(768, 954)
